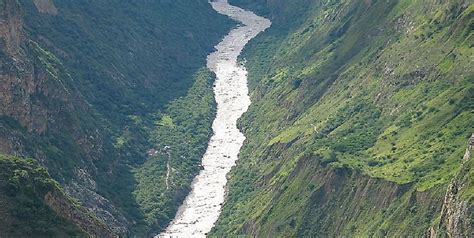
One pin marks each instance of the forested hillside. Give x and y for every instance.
(86, 90)
(361, 111)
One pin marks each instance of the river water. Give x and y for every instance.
(200, 210)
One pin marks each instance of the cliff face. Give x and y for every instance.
(59, 203)
(12, 28)
(38, 103)
(19, 81)
(379, 89)
(339, 202)
(82, 89)
(457, 214)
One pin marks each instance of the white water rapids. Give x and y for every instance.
(200, 210)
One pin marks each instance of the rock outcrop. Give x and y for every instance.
(11, 28)
(46, 7)
(457, 214)
(21, 80)
(80, 217)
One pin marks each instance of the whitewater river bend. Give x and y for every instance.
(200, 210)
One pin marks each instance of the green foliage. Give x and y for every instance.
(136, 67)
(47, 59)
(102, 75)
(380, 88)
(180, 137)
(23, 212)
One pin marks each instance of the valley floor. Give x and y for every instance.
(200, 210)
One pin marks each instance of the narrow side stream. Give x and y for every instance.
(200, 210)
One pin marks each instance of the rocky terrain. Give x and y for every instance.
(457, 212)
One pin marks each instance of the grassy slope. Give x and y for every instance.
(383, 88)
(126, 65)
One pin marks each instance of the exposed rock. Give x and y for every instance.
(20, 79)
(11, 27)
(85, 221)
(46, 7)
(100, 206)
(347, 194)
(467, 155)
(457, 213)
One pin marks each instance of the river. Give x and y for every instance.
(201, 208)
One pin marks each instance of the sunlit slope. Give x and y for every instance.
(369, 96)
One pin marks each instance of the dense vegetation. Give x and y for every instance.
(92, 82)
(144, 54)
(24, 213)
(181, 136)
(377, 92)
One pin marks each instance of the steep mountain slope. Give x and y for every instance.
(360, 115)
(85, 87)
(32, 204)
(457, 213)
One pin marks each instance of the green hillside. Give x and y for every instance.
(360, 116)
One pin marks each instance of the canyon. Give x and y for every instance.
(236, 118)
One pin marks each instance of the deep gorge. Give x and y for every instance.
(360, 118)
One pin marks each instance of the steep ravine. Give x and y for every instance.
(201, 208)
